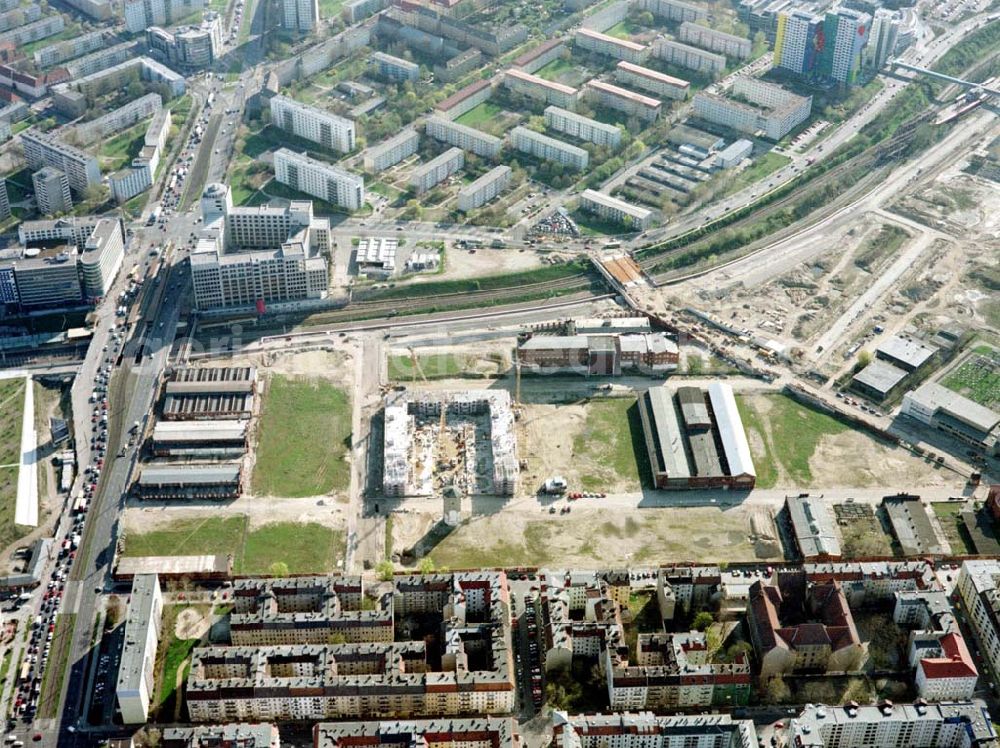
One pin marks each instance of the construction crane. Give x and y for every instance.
(415, 362)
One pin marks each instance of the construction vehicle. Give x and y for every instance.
(555, 486)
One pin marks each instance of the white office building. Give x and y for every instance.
(762, 108)
(584, 128)
(464, 137)
(484, 189)
(312, 123)
(142, 633)
(549, 149)
(436, 170)
(390, 152)
(319, 179)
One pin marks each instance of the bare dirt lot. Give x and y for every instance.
(588, 537)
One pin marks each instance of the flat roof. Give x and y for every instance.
(625, 93)
(880, 375)
(655, 75)
(912, 526)
(529, 78)
(129, 566)
(159, 474)
(197, 431)
(913, 353)
(598, 36)
(141, 611)
(554, 342)
(614, 202)
(935, 397)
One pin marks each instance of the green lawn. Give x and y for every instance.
(591, 225)
(69, 32)
(118, 151)
(789, 434)
(762, 167)
(300, 548)
(432, 366)
(55, 670)
(11, 413)
(978, 378)
(291, 548)
(175, 655)
(480, 114)
(624, 29)
(556, 68)
(949, 514)
(330, 8)
(305, 437)
(611, 445)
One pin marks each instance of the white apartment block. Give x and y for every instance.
(630, 102)
(394, 69)
(80, 168)
(436, 170)
(312, 123)
(319, 179)
(978, 586)
(772, 110)
(121, 118)
(534, 87)
(51, 191)
(729, 45)
(33, 32)
(300, 15)
(140, 176)
(653, 81)
(101, 59)
(584, 128)
(613, 209)
(674, 10)
(142, 633)
(141, 14)
(484, 189)
(390, 152)
(549, 149)
(130, 183)
(4, 200)
(612, 46)
(464, 137)
(59, 52)
(686, 56)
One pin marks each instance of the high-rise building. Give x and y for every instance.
(312, 123)
(4, 201)
(845, 34)
(319, 179)
(798, 42)
(300, 15)
(142, 632)
(80, 168)
(51, 191)
(141, 14)
(882, 42)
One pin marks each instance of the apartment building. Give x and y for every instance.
(729, 45)
(633, 104)
(674, 10)
(307, 610)
(13, 14)
(300, 15)
(4, 201)
(882, 41)
(383, 679)
(465, 100)
(142, 633)
(51, 191)
(612, 46)
(60, 52)
(436, 170)
(236, 735)
(535, 59)
(534, 87)
(390, 152)
(319, 179)
(119, 119)
(101, 59)
(141, 14)
(484, 189)
(686, 56)
(763, 108)
(190, 47)
(584, 128)
(978, 588)
(139, 177)
(34, 31)
(579, 620)
(358, 10)
(646, 730)
(796, 43)
(470, 732)
(549, 149)
(845, 33)
(963, 724)
(651, 80)
(312, 123)
(673, 671)
(464, 137)
(394, 69)
(80, 168)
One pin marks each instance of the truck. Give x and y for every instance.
(555, 486)
(154, 215)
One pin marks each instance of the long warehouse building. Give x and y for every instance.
(189, 481)
(209, 393)
(200, 438)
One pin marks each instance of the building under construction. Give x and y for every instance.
(465, 441)
(209, 393)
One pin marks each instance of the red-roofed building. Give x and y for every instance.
(826, 640)
(947, 674)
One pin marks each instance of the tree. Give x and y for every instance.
(776, 691)
(426, 565)
(279, 569)
(384, 570)
(695, 364)
(702, 621)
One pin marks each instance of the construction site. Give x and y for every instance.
(462, 442)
